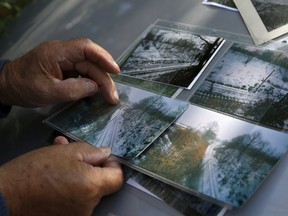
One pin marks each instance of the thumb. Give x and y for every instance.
(92, 155)
(75, 88)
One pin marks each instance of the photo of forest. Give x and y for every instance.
(127, 128)
(273, 13)
(250, 83)
(215, 155)
(170, 56)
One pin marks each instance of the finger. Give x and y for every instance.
(111, 162)
(106, 85)
(81, 49)
(73, 89)
(60, 140)
(111, 178)
(106, 172)
(89, 154)
(97, 54)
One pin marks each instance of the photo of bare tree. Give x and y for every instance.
(219, 158)
(170, 56)
(250, 83)
(127, 128)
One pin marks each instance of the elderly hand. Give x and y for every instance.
(59, 179)
(58, 71)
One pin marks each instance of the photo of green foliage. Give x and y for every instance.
(217, 156)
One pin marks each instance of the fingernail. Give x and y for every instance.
(115, 95)
(106, 151)
(116, 65)
(90, 86)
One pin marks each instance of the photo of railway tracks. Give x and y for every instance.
(170, 56)
(249, 83)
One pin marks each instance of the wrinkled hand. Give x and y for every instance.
(60, 179)
(49, 74)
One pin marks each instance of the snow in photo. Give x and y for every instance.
(127, 128)
(251, 83)
(170, 56)
(215, 155)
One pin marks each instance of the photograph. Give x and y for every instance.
(185, 203)
(219, 158)
(158, 88)
(265, 19)
(170, 56)
(127, 128)
(250, 83)
(227, 4)
(273, 13)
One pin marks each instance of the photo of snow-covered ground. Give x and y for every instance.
(250, 83)
(220, 157)
(127, 128)
(170, 56)
(273, 13)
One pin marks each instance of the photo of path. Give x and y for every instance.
(218, 156)
(250, 83)
(127, 128)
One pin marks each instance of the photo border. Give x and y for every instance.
(223, 203)
(207, 2)
(172, 26)
(175, 103)
(255, 24)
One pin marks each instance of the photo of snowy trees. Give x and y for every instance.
(215, 155)
(250, 83)
(170, 56)
(127, 128)
(273, 13)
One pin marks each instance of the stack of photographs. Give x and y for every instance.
(265, 19)
(221, 142)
